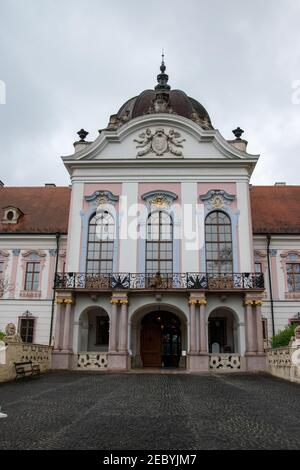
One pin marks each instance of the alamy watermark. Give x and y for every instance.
(2, 92)
(183, 222)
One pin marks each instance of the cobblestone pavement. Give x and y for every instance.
(75, 410)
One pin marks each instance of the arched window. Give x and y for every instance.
(159, 247)
(100, 250)
(218, 243)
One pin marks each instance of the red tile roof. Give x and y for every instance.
(275, 209)
(46, 210)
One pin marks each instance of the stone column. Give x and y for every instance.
(259, 332)
(203, 345)
(192, 304)
(113, 327)
(249, 326)
(123, 347)
(59, 307)
(67, 324)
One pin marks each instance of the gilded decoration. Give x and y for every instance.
(159, 199)
(217, 202)
(102, 198)
(217, 199)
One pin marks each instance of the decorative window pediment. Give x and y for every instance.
(33, 256)
(11, 215)
(102, 198)
(292, 256)
(217, 199)
(159, 199)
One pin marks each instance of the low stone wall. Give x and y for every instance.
(284, 363)
(23, 352)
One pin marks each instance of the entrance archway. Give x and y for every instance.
(160, 344)
(222, 331)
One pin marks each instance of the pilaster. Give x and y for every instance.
(198, 358)
(117, 356)
(255, 355)
(63, 354)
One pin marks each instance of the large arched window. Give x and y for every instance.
(159, 247)
(100, 249)
(218, 243)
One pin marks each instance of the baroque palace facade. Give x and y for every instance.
(161, 252)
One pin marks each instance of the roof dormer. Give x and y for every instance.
(11, 215)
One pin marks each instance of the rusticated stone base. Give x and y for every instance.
(62, 360)
(256, 362)
(118, 361)
(197, 362)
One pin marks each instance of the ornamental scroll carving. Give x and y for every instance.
(159, 142)
(217, 199)
(159, 199)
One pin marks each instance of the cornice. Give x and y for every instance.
(201, 135)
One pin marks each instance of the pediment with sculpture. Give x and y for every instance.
(159, 142)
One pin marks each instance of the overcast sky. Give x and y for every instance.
(69, 64)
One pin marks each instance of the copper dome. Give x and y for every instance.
(161, 100)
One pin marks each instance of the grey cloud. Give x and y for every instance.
(70, 64)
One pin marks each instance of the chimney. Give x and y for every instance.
(50, 185)
(280, 183)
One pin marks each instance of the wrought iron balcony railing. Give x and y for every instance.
(204, 281)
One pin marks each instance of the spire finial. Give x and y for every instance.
(162, 77)
(162, 67)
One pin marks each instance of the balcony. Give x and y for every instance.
(159, 281)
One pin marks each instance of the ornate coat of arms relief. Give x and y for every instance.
(159, 142)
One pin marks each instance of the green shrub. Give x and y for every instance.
(1, 335)
(283, 337)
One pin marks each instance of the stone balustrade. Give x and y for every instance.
(284, 363)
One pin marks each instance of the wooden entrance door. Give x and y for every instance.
(151, 344)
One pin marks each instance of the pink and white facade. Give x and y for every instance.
(160, 265)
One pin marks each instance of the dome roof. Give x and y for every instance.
(161, 100)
